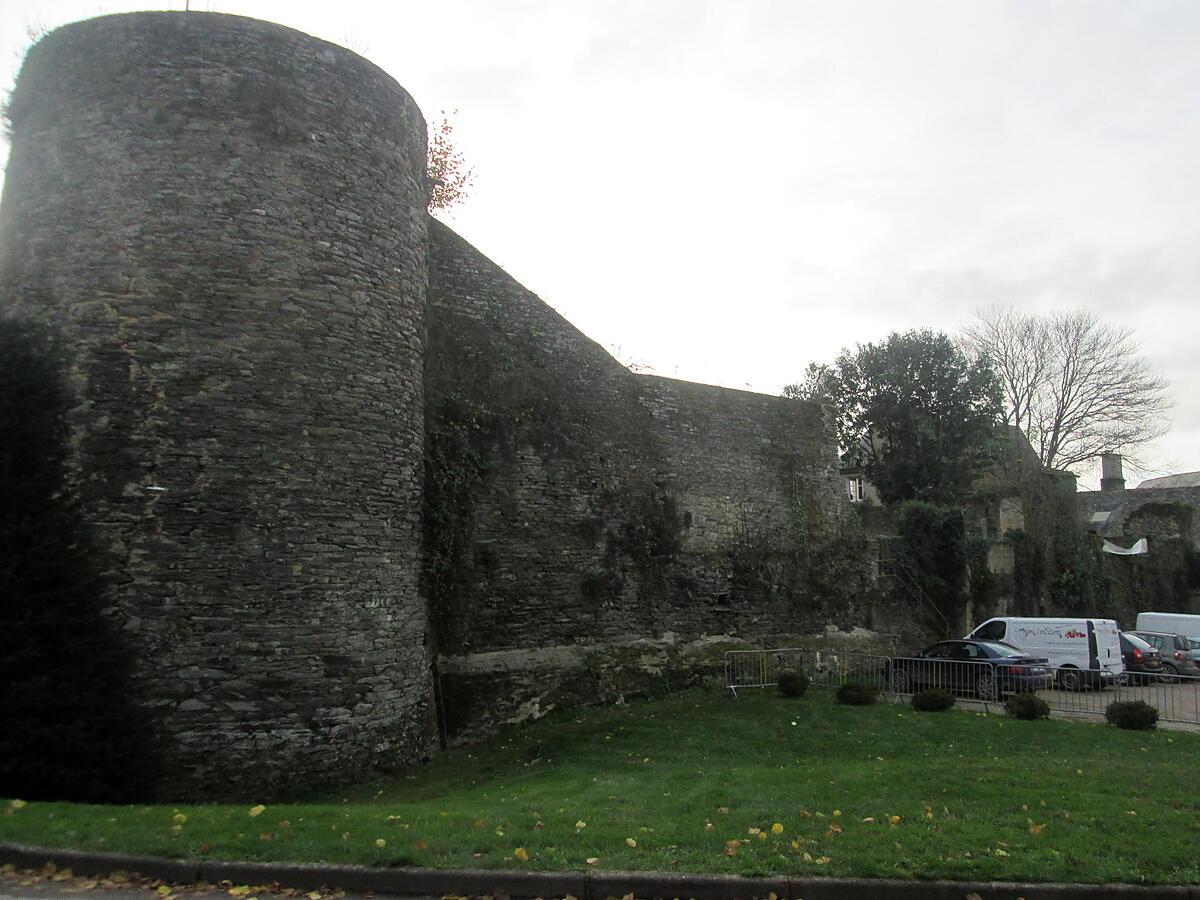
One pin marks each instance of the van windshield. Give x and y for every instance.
(992, 631)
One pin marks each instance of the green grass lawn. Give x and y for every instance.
(700, 782)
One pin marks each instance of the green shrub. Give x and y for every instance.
(793, 684)
(71, 730)
(1027, 706)
(932, 700)
(1134, 715)
(855, 693)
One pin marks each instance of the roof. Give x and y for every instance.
(1187, 479)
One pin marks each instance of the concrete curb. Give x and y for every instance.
(585, 885)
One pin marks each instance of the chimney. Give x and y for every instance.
(1112, 478)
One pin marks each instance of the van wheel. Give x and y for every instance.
(1069, 679)
(985, 687)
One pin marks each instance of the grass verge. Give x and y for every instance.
(699, 782)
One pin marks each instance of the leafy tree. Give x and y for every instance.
(932, 564)
(913, 411)
(1075, 385)
(71, 730)
(450, 178)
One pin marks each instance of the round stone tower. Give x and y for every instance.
(226, 219)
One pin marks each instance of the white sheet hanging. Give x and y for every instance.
(1141, 548)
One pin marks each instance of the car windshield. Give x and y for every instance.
(1194, 645)
(1137, 642)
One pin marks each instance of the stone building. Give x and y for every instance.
(1117, 512)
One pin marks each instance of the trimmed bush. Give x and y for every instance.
(1027, 706)
(71, 730)
(932, 700)
(1134, 715)
(793, 684)
(855, 693)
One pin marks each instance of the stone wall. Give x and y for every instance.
(595, 533)
(227, 220)
(1121, 505)
(329, 446)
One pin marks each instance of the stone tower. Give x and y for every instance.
(226, 219)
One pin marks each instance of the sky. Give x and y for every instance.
(726, 191)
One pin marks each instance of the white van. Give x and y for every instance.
(1074, 647)
(1170, 623)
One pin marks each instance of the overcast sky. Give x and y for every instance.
(726, 191)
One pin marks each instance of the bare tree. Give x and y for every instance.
(1078, 387)
(450, 178)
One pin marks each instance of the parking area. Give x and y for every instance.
(1178, 702)
(973, 682)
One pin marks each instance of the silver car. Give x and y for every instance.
(1178, 655)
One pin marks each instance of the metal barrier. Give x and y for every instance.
(961, 677)
(825, 668)
(1066, 690)
(761, 668)
(1176, 697)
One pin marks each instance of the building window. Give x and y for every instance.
(854, 487)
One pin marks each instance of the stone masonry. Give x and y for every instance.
(227, 220)
(347, 471)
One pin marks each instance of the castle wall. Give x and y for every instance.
(311, 503)
(741, 459)
(226, 218)
(586, 525)
(1122, 505)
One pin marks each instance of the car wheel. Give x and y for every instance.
(1069, 679)
(985, 687)
(1170, 673)
(901, 683)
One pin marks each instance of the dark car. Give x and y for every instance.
(987, 669)
(1142, 662)
(1175, 650)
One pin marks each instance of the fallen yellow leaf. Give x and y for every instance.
(179, 818)
(522, 854)
(777, 828)
(380, 843)
(580, 824)
(630, 842)
(895, 820)
(240, 891)
(313, 895)
(592, 860)
(257, 810)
